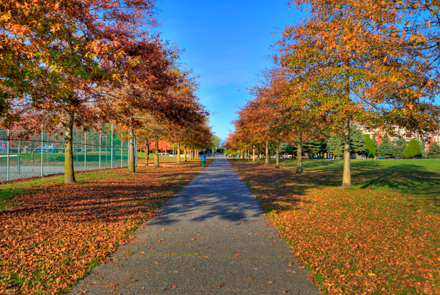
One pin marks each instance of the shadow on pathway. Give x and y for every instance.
(213, 237)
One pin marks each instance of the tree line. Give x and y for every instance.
(360, 147)
(84, 63)
(348, 62)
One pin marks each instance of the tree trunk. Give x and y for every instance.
(346, 179)
(69, 172)
(147, 154)
(258, 156)
(185, 152)
(131, 164)
(178, 152)
(299, 166)
(156, 153)
(253, 154)
(277, 164)
(266, 161)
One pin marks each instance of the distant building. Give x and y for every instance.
(398, 131)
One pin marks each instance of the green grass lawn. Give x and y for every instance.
(381, 236)
(415, 176)
(141, 157)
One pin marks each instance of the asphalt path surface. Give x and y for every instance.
(212, 237)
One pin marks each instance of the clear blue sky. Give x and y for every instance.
(226, 42)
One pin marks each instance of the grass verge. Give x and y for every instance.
(379, 237)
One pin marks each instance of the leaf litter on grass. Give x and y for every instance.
(352, 241)
(54, 234)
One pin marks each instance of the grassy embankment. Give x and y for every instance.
(380, 236)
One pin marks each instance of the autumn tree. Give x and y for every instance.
(340, 54)
(79, 47)
(264, 119)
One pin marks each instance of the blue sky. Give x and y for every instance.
(226, 43)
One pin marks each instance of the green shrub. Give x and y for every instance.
(371, 149)
(413, 149)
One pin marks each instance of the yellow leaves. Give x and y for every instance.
(55, 27)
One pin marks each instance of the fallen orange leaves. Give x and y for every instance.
(57, 233)
(351, 241)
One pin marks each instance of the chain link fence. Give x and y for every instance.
(42, 154)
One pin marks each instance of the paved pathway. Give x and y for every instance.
(213, 237)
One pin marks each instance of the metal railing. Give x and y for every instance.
(42, 154)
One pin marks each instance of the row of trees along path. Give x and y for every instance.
(85, 63)
(369, 62)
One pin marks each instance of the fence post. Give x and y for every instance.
(135, 151)
(41, 147)
(7, 157)
(77, 147)
(100, 141)
(122, 154)
(85, 150)
(111, 149)
(18, 158)
(106, 152)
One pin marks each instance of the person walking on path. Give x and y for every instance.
(212, 237)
